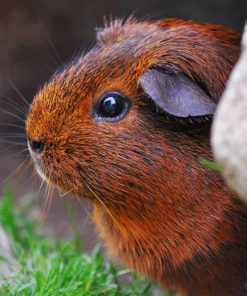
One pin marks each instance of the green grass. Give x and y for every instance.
(33, 263)
(210, 164)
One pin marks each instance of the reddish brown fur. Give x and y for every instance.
(158, 209)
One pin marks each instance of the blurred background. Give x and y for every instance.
(36, 38)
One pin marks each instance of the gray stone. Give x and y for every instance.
(229, 131)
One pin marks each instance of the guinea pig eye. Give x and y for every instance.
(111, 107)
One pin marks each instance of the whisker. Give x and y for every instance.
(13, 136)
(12, 125)
(34, 174)
(13, 143)
(12, 133)
(18, 92)
(6, 148)
(77, 197)
(13, 105)
(50, 67)
(48, 200)
(83, 207)
(65, 192)
(11, 154)
(9, 147)
(24, 162)
(53, 47)
(102, 203)
(41, 185)
(43, 210)
(49, 197)
(52, 59)
(13, 115)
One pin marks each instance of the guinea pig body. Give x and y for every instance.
(126, 126)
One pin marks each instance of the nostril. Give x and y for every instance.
(36, 146)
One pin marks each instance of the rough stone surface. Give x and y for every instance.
(229, 132)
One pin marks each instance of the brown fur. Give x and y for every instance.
(158, 209)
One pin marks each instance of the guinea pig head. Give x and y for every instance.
(126, 125)
(99, 120)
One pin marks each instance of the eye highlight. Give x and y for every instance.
(112, 107)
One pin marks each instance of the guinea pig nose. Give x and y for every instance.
(36, 146)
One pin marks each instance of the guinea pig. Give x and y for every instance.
(125, 126)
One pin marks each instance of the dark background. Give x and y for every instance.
(37, 36)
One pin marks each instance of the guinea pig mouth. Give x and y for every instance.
(40, 169)
(41, 174)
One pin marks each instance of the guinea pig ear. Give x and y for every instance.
(176, 94)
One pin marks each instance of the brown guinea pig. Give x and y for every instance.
(126, 126)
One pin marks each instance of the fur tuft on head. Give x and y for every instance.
(112, 29)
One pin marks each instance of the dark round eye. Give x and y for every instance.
(111, 107)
